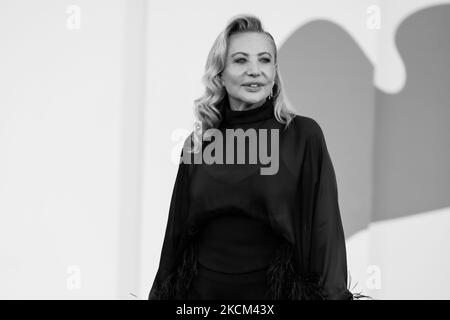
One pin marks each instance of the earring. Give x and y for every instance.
(271, 92)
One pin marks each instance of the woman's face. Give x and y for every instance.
(250, 59)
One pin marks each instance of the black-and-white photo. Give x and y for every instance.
(233, 150)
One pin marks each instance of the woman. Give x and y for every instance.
(234, 232)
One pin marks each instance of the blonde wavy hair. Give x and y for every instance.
(207, 107)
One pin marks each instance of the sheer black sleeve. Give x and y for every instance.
(328, 260)
(165, 280)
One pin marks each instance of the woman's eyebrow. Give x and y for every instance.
(246, 54)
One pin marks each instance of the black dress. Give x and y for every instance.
(233, 253)
(235, 233)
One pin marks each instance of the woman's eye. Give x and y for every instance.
(266, 60)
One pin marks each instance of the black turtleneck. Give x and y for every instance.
(233, 240)
(231, 117)
(237, 217)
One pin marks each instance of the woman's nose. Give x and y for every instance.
(253, 68)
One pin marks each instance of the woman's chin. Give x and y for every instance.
(252, 98)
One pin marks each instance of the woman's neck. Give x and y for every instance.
(242, 106)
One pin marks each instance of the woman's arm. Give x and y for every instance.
(328, 251)
(164, 283)
(328, 258)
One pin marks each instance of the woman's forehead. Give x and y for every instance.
(251, 43)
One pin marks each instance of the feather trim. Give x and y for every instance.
(355, 295)
(285, 284)
(280, 273)
(176, 284)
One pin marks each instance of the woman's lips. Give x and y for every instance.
(252, 89)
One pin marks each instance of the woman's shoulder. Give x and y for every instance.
(306, 127)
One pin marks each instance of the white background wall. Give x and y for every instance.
(68, 148)
(90, 125)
